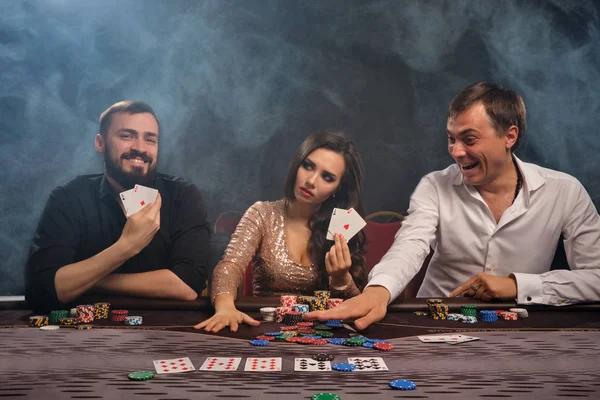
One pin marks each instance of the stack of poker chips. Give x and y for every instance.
(118, 315)
(38, 320)
(280, 312)
(454, 317)
(468, 319)
(468, 310)
(292, 318)
(488, 316)
(509, 316)
(56, 315)
(85, 313)
(521, 312)
(288, 301)
(133, 320)
(301, 308)
(322, 297)
(437, 309)
(101, 310)
(69, 321)
(332, 302)
(268, 314)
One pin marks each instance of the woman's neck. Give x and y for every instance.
(300, 211)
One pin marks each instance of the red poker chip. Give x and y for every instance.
(293, 313)
(288, 328)
(293, 339)
(305, 340)
(264, 337)
(307, 331)
(318, 342)
(306, 324)
(383, 346)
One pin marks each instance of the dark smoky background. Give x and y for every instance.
(238, 85)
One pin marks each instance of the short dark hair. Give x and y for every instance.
(348, 194)
(125, 107)
(504, 107)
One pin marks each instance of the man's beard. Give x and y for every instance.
(127, 180)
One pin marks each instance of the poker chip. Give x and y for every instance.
(338, 341)
(368, 345)
(322, 327)
(324, 334)
(49, 328)
(488, 316)
(403, 384)
(421, 313)
(356, 340)
(283, 336)
(521, 312)
(323, 357)
(84, 327)
(305, 324)
(258, 342)
(312, 336)
(318, 342)
(292, 339)
(383, 346)
(376, 340)
(469, 319)
(263, 337)
(133, 320)
(272, 333)
(289, 328)
(325, 396)
(140, 375)
(343, 367)
(308, 331)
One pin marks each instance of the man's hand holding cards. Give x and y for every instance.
(137, 198)
(345, 222)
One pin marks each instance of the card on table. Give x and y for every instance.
(266, 364)
(346, 222)
(369, 364)
(448, 338)
(135, 199)
(174, 365)
(221, 364)
(308, 364)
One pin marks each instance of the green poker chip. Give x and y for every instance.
(324, 334)
(140, 375)
(325, 396)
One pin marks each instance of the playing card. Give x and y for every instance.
(308, 364)
(439, 338)
(173, 366)
(463, 339)
(346, 222)
(221, 364)
(266, 364)
(369, 364)
(139, 198)
(125, 197)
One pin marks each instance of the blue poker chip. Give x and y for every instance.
(312, 336)
(272, 333)
(344, 367)
(258, 342)
(336, 340)
(376, 341)
(368, 345)
(403, 384)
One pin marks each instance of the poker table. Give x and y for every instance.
(553, 353)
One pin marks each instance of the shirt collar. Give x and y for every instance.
(106, 189)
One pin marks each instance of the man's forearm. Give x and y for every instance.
(73, 280)
(162, 283)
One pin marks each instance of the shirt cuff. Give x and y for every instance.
(385, 281)
(529, 288)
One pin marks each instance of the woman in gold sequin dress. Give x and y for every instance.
(286, 239)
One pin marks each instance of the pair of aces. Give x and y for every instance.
(346, 222)
(184, 364)
(135, 199)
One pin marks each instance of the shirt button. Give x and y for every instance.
(560, 301)
(490, 268)
(528, 298)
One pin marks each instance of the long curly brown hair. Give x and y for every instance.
(348, 194)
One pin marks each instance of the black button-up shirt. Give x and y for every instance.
(83, 218)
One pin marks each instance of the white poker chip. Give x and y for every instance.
(49, 328)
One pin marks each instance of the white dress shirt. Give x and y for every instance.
(453, 219)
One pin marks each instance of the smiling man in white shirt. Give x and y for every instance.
(493, 221)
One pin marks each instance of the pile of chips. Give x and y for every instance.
(488, 316)
(69, 321)
(101, 310)
(437, 309)
(468, 310)
(85, 313)
(133, 320)
(118, 315)
(56, 315)
(38, 320)
(521, 312)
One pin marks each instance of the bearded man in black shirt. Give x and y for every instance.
(85, 243)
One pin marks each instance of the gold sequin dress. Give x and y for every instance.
(260, 238)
